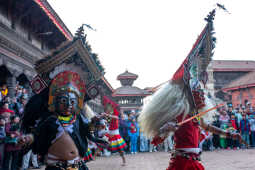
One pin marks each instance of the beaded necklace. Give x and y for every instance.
(67, 120)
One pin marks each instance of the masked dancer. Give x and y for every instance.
(176, 105)
(54, 120)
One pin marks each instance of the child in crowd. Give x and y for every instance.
(133, 133)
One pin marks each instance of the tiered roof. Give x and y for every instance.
(50, 12)
(127, 78)
(233, 65)
(127, 75)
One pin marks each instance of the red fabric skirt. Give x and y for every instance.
(116, 143)
(88, 156)
(182, 163)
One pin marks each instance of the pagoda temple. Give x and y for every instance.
(129, 97)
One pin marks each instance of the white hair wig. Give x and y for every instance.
(163, 106)
(208, 116)
(89, 113)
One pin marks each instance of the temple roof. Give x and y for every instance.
(127, 75)
(129, 91)
(243, 82)
(53, 16)
(233, 65)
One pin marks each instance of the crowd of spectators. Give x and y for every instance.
(240, 120)
(131, 133)
(11, 112)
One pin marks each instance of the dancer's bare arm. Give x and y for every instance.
(218, 131)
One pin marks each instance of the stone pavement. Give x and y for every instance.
(216, 160)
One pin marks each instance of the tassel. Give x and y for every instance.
(157, 140)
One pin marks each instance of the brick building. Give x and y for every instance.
(242, 90)
(225, 71)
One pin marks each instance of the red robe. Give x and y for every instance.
(187, 136)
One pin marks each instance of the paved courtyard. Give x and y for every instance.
(216, 160)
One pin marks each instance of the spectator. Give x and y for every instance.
(123, 128)
(168, 143)
(11, 153)
(152, 148)
(143, 143)
(238, 116)
(230, 110)
(223, 141)
(4, 91)
(232, 143)
(252, 125)
(133, 132)
(18, 92)
(216, 138)
(23, 102)
(224, 118)
(6, 112)
(245, 129)
(2, 138)
(14, 105)
(5, 108)
(249, 107)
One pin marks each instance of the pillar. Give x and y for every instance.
(11, 84)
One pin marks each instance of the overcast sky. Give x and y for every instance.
(152, 37)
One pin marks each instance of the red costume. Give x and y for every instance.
(116, 141)
(186, 145)
(179, 99)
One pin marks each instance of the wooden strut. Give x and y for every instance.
(201, 114)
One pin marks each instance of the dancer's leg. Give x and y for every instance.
(123, 158)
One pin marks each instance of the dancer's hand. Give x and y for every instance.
(103, 114)
(168, 127)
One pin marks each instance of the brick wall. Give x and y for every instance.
(239, 96)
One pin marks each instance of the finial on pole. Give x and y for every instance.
(210, 16)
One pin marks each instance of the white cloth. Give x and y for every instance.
(114, 132)
(26, 159)
(52, 159)
(252, 124)
(191, 150)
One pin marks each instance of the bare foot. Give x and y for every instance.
(123, 164)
